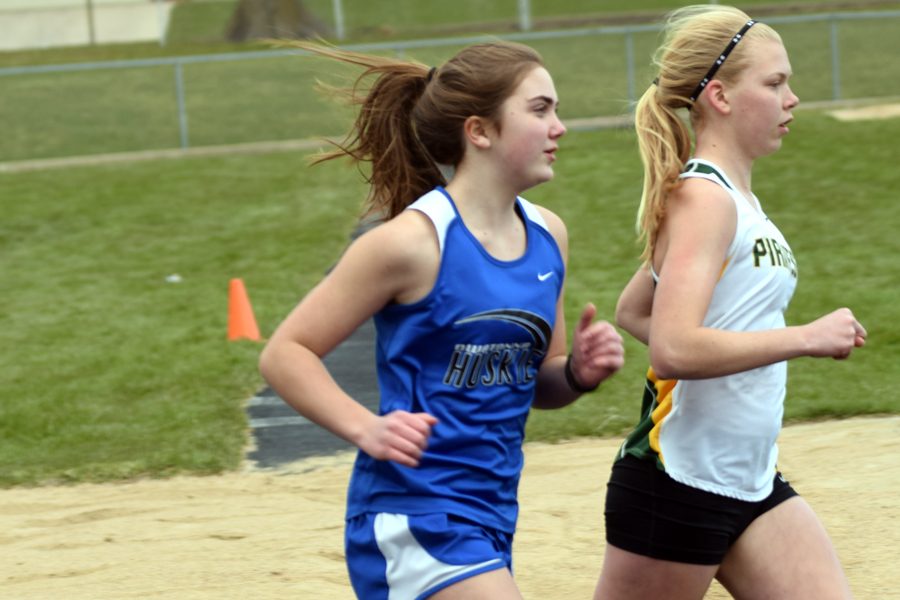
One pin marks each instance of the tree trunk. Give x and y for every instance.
(278, 19)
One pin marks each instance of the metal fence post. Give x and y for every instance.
(92, 38)
(338, 8)
(835, 62)
(629, 66)
(182, 110)
(525, 15)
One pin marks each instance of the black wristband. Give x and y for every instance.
(573, 383)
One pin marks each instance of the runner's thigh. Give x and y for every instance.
(630, 576)
(493, 585)
(784, 554)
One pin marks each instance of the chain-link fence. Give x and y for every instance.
(180, 102)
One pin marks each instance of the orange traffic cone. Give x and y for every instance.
(241, 322)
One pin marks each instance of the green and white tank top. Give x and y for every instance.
(719, 435)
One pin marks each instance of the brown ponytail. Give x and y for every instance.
(411, 118)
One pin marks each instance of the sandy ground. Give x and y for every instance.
(865, 113)
(278, 534)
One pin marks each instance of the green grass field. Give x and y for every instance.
(110, 372)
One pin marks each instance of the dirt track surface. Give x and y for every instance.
(278, 534)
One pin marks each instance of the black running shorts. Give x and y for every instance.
(651, 514)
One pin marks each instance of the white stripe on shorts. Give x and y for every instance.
(411, 570)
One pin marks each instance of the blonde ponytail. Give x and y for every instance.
(695, 37)
(665, 146)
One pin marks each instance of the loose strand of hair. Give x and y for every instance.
(383, 132)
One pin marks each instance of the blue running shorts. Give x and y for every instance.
(414, 556)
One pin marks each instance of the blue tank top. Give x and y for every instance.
(467, 353)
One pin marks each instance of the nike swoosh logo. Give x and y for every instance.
(545, 276)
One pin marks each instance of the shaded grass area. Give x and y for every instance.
(199, 26)
(111, 372)
(381, 20)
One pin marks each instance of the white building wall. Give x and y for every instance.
(50, 23)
